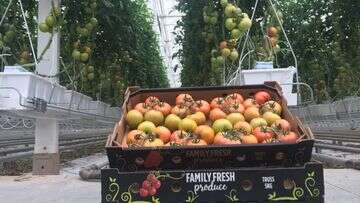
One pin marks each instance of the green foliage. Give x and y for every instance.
(325, 36)
(326, 39)
(194, 55)
(116, 35)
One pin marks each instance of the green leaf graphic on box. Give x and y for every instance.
(232, 196)
(297, 192)
(310, 185)
(114, 190)
(191, 197)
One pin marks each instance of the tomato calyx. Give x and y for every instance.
(195, 140)
(140, 139)
(188, 99)
(271, 140)
(219, 101)
(277, 129)
(233, 135)
(152, 101)
(174, 144)
(233, 108)
(269, 106)
(266, 129)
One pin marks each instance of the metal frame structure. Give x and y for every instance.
(237, 75)
(164, 28)
(243, 56)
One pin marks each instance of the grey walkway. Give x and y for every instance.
(341, 185)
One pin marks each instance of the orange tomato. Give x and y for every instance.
(134, 136)
(235, 108)
(178, 136)
(249, 139)
(288, 137)
(243, 127)
(181, 111)
(183, 99)
(152, 101)
(249, 103)
(251, 113)
(263, 133)
(216, 114)
(163, 107)
(199, 128)
(156, 142)
(234, 98)
(199, 117)
(217, 102)
(163, 133)
(142, 107)
(201, 105)
(281, 124)
(206, 133)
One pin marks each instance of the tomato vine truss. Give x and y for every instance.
(36, 100)
(26, 27)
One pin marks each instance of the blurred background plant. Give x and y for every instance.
(325, 36)
(106, 45)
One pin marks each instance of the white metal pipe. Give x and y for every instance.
(28, 33)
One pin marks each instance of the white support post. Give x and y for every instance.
(46, 157)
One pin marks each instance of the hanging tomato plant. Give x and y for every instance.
(105, 45)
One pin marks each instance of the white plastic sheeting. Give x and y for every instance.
(165, 18)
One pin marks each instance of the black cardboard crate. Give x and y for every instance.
(211, 156)
(185, 157)
(296, 184)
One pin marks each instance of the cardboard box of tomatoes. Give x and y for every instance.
(207, 128)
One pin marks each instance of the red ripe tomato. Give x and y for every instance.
(263, 133)
(184, 99)
(261, 97)
(288, 137)
(163, 107)
(142, 107)
(152, 101)
(201, 105)
(217, 102)
(234, 98)
(249, 103)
